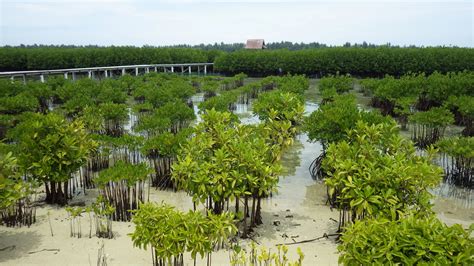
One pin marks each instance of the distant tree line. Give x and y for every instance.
(374, 62)
(300, 58)
(57, 57)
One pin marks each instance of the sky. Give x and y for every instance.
(158, 22)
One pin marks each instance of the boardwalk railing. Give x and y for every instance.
(110, 71)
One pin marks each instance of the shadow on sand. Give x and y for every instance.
(14, 244)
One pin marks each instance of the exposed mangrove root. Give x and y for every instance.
(174, 260)
(458, 170)
(326, 236)
(315, 169)
(424, 136)
(162, 177)
(45, 249)
(18, 214)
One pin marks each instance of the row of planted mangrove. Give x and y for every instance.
(380, 183)
(430, 107)
(124, 136)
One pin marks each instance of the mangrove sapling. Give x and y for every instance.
(153, 124)
(389, 90)
(404, 107)
(15, 204)
(225, 102)
(103, 212)
(170, 233)
(166, 90)
(162, 150)
(20, 103)
(92, 121)
(123, 186)
(204, 164)
(263, 256)
(125, 148)
(98, 160)
(179, 114)
(296, 84)
(331, 122)
(74, 217)
(286, 106)
(6, 123)
(463, 109)
(43, 93)
(412, 240)
(224, 161)
(331, 86)
(441, 86)
(369, 85)
(377, 173)
(209, 87)
(52, 150)
(112, 92)
(457, 160)
(429, 126)
(114, 116)
(328, 95)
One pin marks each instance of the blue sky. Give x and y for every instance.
(127, 22)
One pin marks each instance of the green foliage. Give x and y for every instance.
(74, 214)
(297, 84)
(58, 57)
(339, 83)
(12, 188)
(15, 207)
(464, 104)
(225, 102)
(103, 211)
(170, 233)
(347, 60)
(435, 117)
(457, 147)
(165, 145)
(123, 172)
(122, 186)
(404, 107)
(429, 126)
(439, 86)
(19, 103)
(331, 122)
(369, 85)
(410, 241)
(377, 173)
(52, 149)
(113, 112)
(179, 114)
(463, 110)
(280, 106)
(165, 91)
(458, 161)
(162, 150)
(225, 160)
